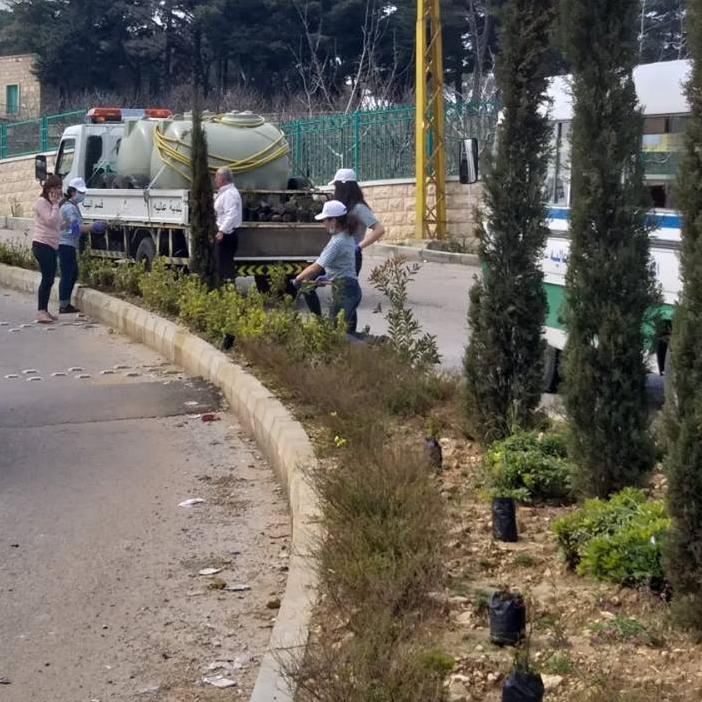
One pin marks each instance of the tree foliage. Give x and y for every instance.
(203, 223)
(684, 410)
(610, 280)
(503, 361)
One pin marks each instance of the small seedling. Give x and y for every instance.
(525, 560)
(559, 664)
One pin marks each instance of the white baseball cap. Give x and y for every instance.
(332, 208)
(78, 184)
(344, 175)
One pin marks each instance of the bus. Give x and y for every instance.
(660, 90)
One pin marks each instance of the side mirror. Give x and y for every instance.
(468, 162)
(40, 171)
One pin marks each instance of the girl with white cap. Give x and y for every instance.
(338, 263)
(367, 229)
(72, 228)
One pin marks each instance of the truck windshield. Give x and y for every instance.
(64, 160)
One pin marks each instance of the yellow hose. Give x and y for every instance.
(168, 149)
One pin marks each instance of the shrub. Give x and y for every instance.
(13, 254)
(385, 526)
(617, 540)
(160, 288)
(530, 467)
(127, 278)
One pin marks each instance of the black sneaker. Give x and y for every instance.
(68, 309)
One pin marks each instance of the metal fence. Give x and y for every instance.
(35, 135)
(378, 144)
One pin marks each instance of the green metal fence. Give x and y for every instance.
(378, 144)
(35, 135)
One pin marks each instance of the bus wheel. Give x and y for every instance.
(552, 357)
(146, 252)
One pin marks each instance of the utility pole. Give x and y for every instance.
(430, 161)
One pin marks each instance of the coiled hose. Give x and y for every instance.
(175, 153)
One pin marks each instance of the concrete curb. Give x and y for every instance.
(415, 253)
(282, 440)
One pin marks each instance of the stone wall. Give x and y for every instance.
(17, 70)
(19, 188)
(393, 202)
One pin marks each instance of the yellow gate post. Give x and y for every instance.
(430, 161)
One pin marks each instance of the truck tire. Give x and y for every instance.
(146, 252)
(263, 284)
(552, 357)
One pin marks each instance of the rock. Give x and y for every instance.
(551, 682)
(273, 603)
(465, 618)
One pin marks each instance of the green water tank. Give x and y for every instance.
(255, 150)
(134, 157)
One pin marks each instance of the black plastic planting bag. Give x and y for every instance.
(523, 686)
(504, 519)
(507, 618)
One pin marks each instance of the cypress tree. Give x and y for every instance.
(610, 282)
(203, 223)
(684, 408)
(503, 362)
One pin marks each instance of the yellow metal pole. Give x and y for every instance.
(429, 130)
(420, 145)
(437, 110)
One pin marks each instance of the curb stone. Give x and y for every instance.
(414, 253)
(280, 438)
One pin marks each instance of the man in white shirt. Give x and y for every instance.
(228, 211)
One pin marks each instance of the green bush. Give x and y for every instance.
(128, 277)
(617, 540)
(531, 467)
(13, 254)
(160, 288)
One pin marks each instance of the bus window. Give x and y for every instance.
(558, 175)
(663, 140)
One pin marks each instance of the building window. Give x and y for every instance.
(12, 99)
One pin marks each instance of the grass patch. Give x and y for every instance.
(559, 664)
(623, 630)
(525, 560)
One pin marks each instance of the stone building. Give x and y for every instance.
(22, 96)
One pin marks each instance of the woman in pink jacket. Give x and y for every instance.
(45, 243)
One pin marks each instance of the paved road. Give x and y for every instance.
(100, 597)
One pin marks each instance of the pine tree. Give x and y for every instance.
(610, 281)
(684, 409)
(202, 217)
(503, 363)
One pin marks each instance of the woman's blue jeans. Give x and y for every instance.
(346, 296)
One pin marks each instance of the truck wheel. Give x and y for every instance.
(263, 284)
(552, 357)
(146, 252)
